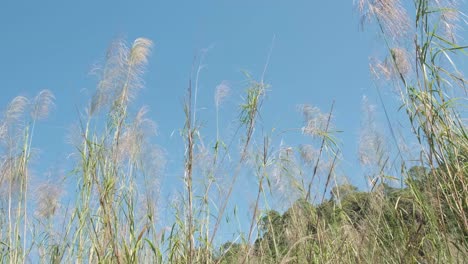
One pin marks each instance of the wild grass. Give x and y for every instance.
(415, 210)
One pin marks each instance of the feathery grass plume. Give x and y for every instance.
(42, 105)
(308, 153)
(120, 75)
(319, 125)
(11, 133)
(372, 147)
(16, 109)
(202, 159)
(450, 18)
(315, 121)
(380, 69)
(401, 62)
(134, 137)
(154, 159)
(74, 136)
(396, 66)
(3, 130)
(391, 16)
(284, 171)
(139, 53)
(284, 158)
(222, 91)
(110, 76)
(136, 62)
(47, 199)
(449, 21)
(8, 175)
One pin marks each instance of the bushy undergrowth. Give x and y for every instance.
(113, 217)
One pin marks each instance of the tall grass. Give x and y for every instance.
(16, 135)
(417, 216)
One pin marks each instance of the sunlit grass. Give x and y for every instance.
(418, 216)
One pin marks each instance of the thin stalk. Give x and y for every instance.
(322, 146)
(260, 190)
(189, 170)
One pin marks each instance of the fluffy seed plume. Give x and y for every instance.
(134, 138)
(315, 120)
(395, 66)
(136, 62)
(140, 51)
(401, 61)
(110, 76)
(222, 91)
(371, 142)
(154, 159)
(7, 173)
(449, 18)
(42, 105)
(308, 153)
(283, 169)
(48, 196)
(16, 108)
(390, 14)
(120, 75)
(3, 131)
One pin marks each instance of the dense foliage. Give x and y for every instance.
(377, 221)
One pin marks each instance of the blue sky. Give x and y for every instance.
(318, 55)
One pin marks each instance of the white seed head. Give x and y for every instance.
(16, 108)
(391, 15)
(222, 91)
(315, 121)
(120, 75)
(308, 153)
(42, 105)
(135, 136)
(395, 66)
(371, 142)
(140, 51)
(48, 200)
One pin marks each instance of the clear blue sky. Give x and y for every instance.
(319, 55)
